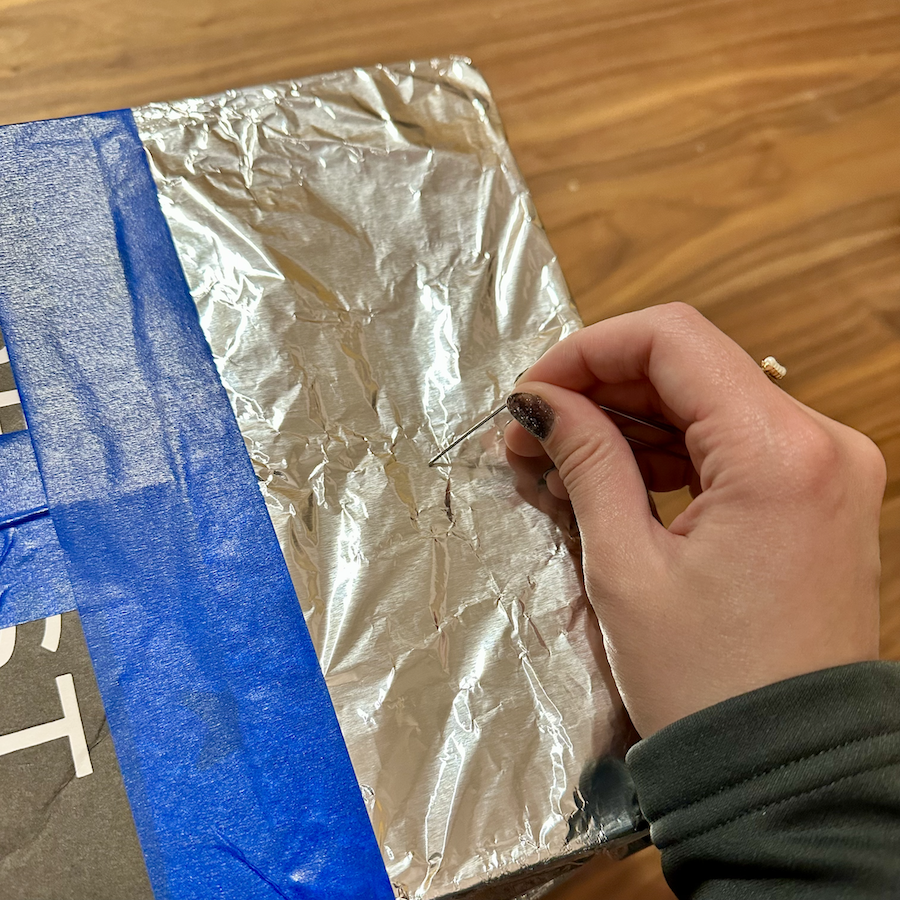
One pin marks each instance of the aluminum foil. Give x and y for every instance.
(372, 276)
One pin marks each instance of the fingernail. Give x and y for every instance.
(533, 413)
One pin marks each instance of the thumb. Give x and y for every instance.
(598, 470)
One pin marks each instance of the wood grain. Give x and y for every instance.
(740, 155)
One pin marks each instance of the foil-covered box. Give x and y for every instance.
(371, 275)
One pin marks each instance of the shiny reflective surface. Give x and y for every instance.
(372, 278)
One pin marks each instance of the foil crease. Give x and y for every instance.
(372, 276)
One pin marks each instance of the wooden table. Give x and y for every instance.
(740, 155)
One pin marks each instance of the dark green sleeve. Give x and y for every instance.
(791, 791)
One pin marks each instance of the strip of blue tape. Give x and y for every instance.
(33, 579)
(237, 774)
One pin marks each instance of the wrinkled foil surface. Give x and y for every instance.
(372, 277)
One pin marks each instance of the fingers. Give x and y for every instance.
(522, 443)
(661, 457)
(596, 467)
(538, 483)
(696, 372)
(665, 469)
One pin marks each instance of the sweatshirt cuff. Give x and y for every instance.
(754, 751)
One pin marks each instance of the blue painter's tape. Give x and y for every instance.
(33, 579)
(234, 765)
(21, 488)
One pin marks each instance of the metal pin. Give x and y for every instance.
(462, 437)
(650, 423)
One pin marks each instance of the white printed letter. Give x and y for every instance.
(69, 726)
(52, 631)
(7, 644)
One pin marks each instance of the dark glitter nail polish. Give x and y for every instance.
(534, 414)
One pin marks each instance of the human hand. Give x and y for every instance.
(772, 571)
